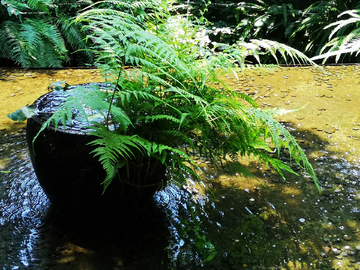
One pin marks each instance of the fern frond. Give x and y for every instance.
(13, 47)
(342, 44)
(276, 129)
(40, 5)
(75, 37)
(273, 47)
(113, 150)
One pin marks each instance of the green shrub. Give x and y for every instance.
(39, 33)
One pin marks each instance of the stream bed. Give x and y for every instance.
(274, 224)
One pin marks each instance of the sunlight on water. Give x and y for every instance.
(23, 206)
(285, 225)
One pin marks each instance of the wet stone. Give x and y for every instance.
(324, 254)
(275, 180)
(330, 130)
(343, 254)
(326, 192)
(336, 239)
(353, 260)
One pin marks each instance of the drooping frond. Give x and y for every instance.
(285, 51)
(344, 37)
(40, 5)
(113, 150)
(282, 138)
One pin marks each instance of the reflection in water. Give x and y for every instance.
(33, 236)
(23, 206)
(267, 227)
(289, 224)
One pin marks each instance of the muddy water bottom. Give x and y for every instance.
(285, 225)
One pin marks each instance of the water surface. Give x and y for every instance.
(285, 225)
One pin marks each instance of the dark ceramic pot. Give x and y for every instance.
(72, 178)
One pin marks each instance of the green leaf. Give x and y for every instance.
(57, 86)
(23, 113)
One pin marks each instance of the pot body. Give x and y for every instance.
(72, 177)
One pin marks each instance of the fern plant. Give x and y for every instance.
(314, 22)
(344, 38)
(167, 108)
(39, 33)
(276, 20)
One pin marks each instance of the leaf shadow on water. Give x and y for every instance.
(288, 224)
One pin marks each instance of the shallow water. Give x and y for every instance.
(287, 225)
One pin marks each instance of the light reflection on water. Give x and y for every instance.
(23, 206)
(248, 228)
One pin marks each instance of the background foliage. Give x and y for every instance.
(309, 30)
(40, 33)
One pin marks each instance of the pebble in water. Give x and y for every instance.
(324, 254)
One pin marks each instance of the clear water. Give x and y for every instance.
(287, 225)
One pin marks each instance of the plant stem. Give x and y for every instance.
(113, 95)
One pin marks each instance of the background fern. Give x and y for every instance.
(344, 38)
(34, 32)
(315, 20)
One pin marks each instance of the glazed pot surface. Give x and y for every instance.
(72, 177)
